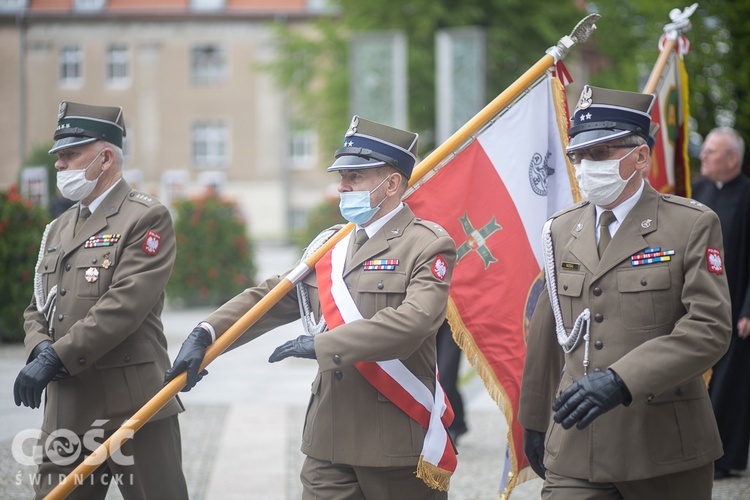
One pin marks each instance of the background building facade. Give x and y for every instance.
(200, 109)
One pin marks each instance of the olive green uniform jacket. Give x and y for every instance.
(107, 331)
(347, 420)
(658, 326)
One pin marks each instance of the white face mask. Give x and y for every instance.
(601, 180)
(355, 205)
(74, 185)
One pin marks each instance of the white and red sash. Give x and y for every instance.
(438, 458)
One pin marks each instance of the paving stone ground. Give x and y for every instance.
(242, 428)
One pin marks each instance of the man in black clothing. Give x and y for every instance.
(725, 189)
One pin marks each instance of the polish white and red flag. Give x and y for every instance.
(493, 197)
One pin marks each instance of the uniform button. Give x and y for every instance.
(60, 317)
(67, 267)
(598, 317)
(338, 375)
(644, 282)
(81, 361)
(599, 345)
(565, 286)
(597, 291)
(63, 291)
(126, 359)
(650, 398)
(678, 391)
(93, 261)
(380, 285)
(336, 359)
(45, 267)
(597, 369)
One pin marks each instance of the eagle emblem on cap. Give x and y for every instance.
(353, 126)
(61, 110)
(585, 100)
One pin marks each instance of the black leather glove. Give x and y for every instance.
(533, 448)
(35, 376)
(62, 372)
(190, 358)
(590, 397)
(38, 349)
(301, 347)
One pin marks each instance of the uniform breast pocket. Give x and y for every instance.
(380, 289)
(48, 268)
(569, 289)
(94, 269)
(645, 296)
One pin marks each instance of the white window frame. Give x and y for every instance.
(209, 144)
(70, 65)
(208, 63)
(117, 65)
(303, 148)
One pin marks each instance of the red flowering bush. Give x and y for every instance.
(215, 258)
(21, 228)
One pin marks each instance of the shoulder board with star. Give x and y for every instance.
(570, 208)
(142, 198)
(432, 226)
(686, 202)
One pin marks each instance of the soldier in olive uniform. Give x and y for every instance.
(636, 310)
(94, 336)
(396, 270)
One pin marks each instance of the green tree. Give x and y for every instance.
(313, 64)
(718, 64)
(736, 18)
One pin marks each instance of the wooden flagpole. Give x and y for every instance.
(580, 34)
(680, 23)
(658, 68)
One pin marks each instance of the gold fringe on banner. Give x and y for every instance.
(433, 476)
(561, 112)
(465, 341)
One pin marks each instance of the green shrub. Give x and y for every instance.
(320, 217)
(215, 258)
(21, 228)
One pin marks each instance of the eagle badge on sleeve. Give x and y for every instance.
(439, 268)
(715, 263)
(151, 243)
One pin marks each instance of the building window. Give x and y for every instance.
(209, 64)
(71, 65)
(89, 4)
(210, 144)
(118, 65)
(207, 4)
(303, 148)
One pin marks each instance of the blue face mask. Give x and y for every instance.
(355, 205)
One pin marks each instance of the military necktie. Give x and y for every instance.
(607, 218)
(359, 239)
(82, 216)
